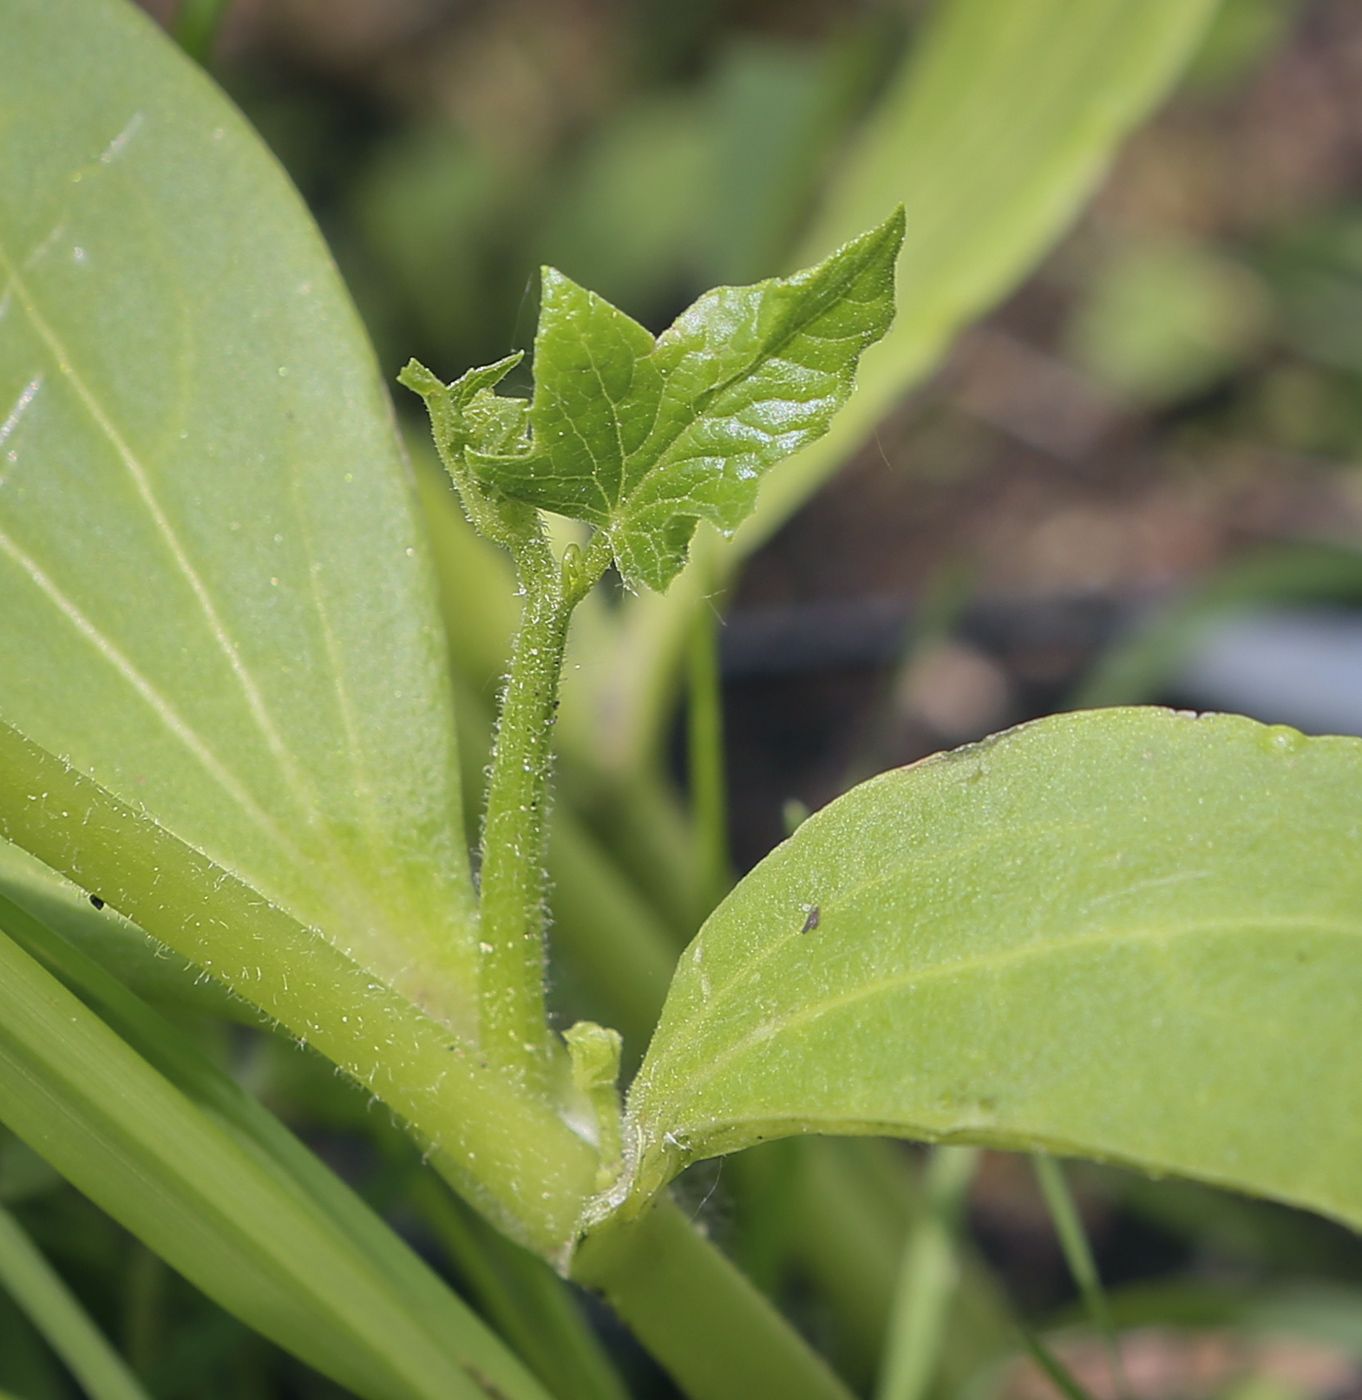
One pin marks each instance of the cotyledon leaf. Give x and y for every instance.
(646, 437)
(1129, 934)
(214, 591)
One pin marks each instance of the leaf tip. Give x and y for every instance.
(416, 377)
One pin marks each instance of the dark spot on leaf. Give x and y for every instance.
(811, 922)
(96, 901)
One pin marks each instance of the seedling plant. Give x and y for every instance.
(1123, 934)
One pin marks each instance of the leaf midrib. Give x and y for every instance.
(798, 326)
(771, 1029)
(1003, 834)
(233, 787)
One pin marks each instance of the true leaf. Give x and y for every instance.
(1128, 934)
(214, 589)
(643, 437)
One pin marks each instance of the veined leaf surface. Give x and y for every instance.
(1129, 934)
(214, 594)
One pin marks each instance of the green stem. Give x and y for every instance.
(1073, 1240)
(698, 1315)
(928, 1278)
(709, 801)
(512, 912)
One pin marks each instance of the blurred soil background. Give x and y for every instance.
(1177, 389)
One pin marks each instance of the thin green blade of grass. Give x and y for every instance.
(423, 1295)
(928, 1278)
(1073, 1240)
(1053, 1367)
(522, 1297)
(52, 1308)
(219, 1207)
(705, 755)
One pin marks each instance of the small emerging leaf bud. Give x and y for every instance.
(595, 1054)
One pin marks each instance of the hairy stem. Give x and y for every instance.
(514, 1028)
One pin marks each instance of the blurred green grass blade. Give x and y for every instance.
(221, 1209)
(928, 1278)
(260, 1133)
(1053, 1367)
(993, 138)
(705, 759)
(1073, 1241)
(197, 23)
(523, 1298)
(1161, 902)
(1073, 1238)
(37, 1287)
(208, 536)
(535, 1313)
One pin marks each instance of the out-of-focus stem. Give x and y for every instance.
(928, 1278)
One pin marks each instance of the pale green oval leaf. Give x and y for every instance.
(210, 563)
(1128, 934)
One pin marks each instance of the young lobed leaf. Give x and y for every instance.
(1128, 934)
(645, 437)
(991, 165)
